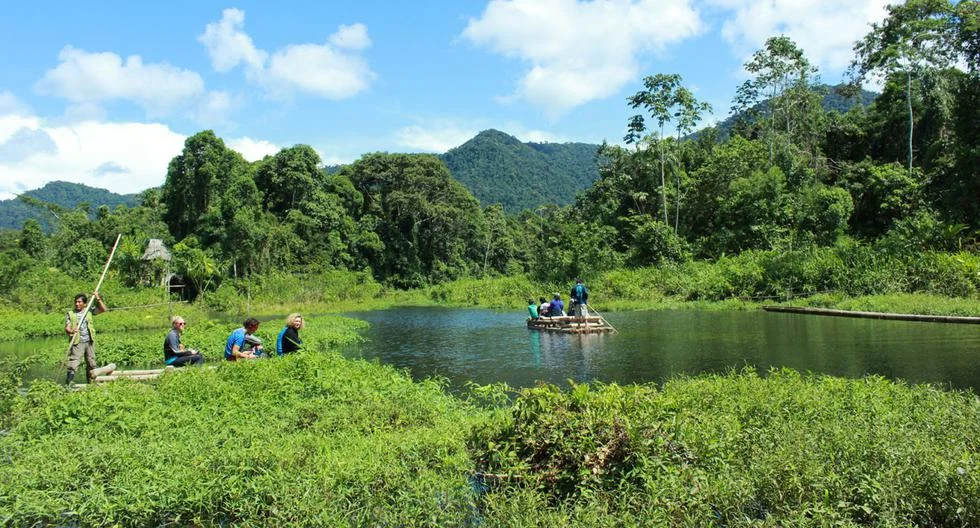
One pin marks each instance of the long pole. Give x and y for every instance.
(603, 318)
(81, 318)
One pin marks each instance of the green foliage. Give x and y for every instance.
(425, 219)
(736, 450)
(306, 439)
(15, 213)
(499, 169)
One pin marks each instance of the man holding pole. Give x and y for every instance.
(79, 328)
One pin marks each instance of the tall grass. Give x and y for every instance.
(314, 439)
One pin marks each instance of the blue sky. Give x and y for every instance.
(105, 94)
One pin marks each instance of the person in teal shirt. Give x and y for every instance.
(532, 308)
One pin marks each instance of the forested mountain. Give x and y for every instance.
(66, 195)
(837, 98)
(499, 168)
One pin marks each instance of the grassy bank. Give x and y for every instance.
(318, 440)
(845, 277)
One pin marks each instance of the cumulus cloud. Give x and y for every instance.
(332, 70)
(320, 70)
(11, 104)
(579, 51)
(825, 29)
(228, 45)
(123, 157)
(252, 149)
(353, 37)
(24, 143)
(84, 77)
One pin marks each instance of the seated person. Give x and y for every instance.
(532, 308)
(557, 307)
(235, 347)
(288, 340)
(543, 308)
(174, 353)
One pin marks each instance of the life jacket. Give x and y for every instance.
(73, 317)
(282, 334)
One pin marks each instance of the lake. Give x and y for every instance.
(485, 346)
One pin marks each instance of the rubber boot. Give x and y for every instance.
(89, 378)
(70, 377)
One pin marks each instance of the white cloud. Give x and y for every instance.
(121, 157)
(353, 37)
(10, 104)
(332, 70)
(438, 139)
(579, 51)
(825, 29)
(252, 149)
(228, 45)
(84, 77)
(320, 70)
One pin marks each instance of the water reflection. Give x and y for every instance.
(483, 346)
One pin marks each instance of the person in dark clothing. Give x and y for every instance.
(580, 299)
(288, 340)
(174, 353)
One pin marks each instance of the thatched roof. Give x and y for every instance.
(156, 250)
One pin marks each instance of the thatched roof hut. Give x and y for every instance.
(156, 250)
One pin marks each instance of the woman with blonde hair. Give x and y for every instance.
(288, 340)
(174, 352)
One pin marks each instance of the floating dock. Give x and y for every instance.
(571, 325)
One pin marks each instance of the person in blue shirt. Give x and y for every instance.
(288, 340)
(580, 299)
(557, 308)
(174, 352)
(235, 348)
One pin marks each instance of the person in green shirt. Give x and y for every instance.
(532, 308)
(82, 336)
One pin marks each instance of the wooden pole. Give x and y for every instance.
(603, 318)
(88, 307)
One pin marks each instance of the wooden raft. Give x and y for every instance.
(109, 373)
(571, 324)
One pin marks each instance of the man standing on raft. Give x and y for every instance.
(82, 334)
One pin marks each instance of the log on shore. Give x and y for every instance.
(141, 377)
(874, 315)
(103, 370)
(142, 372)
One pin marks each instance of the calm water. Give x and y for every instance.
(485, 346)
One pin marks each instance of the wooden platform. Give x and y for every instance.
(571, 325)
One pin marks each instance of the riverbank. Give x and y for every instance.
(317, 439)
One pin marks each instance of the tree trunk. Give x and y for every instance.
(908, 100)
(663, 185)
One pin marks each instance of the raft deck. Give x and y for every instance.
(571, 324)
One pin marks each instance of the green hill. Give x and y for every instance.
(14, 212)
(835, 99)
(499, 168)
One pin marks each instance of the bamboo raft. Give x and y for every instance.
(571, 325)
(109, 373)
